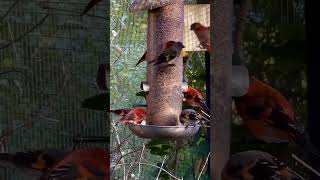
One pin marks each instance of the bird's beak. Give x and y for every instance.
(183, 46)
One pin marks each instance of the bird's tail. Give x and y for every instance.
(204, 106)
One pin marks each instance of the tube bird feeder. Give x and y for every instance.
(164, 83)
(165, 23)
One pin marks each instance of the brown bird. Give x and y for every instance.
(203, 35)
(90, 5)
(89, 164)
(256, 165)
(189, 117)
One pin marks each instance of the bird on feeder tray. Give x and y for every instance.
(90, 5)
(169, 53)
(270, 117)
(203, 35)
(81, 164)
(256, 165)
(134, 116)
(190, 117)
(194, 98)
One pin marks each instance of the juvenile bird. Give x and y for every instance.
(256, 165)
(81, 164)
(270, 117)
(203, 35)
(171, 50)
(194, 98)
(190, 117)
(134, 116)
(90, 5)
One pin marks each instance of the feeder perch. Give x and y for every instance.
(239, 80)
(163, 132)
(144, 86)
(144, 5)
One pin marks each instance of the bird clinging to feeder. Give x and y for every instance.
(194, 98)
(270, 117)
(256, 165)
(203, 35)
(171, 50)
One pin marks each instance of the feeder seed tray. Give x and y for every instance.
(163, 132)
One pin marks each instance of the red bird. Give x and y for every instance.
(91, 164)
(203, 35)
(134, 116)
(120, 112)
(90, 5)
(194, 98)
(256, 165)
(169, 53)
(270, 117)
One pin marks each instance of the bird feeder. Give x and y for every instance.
(164, 83)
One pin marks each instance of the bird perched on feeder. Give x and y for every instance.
(203, 35)
(81, 164)
(270, 117)
(143, 58)
(120, 112)
(189, 117)
(90, 5)
(256, 165)
(171, 50)
(134, 116)
(33, 162)
(194, 98)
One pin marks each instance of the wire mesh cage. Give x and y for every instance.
(49, 57)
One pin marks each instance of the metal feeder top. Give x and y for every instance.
(163, 132)
(145, 5)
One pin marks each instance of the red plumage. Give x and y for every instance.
(194, 98)
(134, 116)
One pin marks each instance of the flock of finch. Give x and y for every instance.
(264, 111)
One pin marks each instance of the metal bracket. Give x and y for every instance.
(144, 86)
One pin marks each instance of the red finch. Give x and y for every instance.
(90, 5)
(134, 116)
(81, 164)
(194, 98)
(256, 165)
(270, 117)
(171, 50)
(203, 35)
